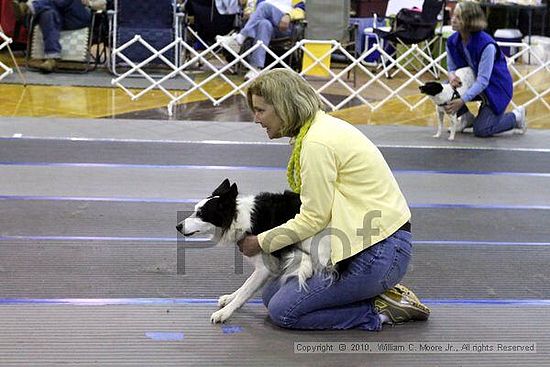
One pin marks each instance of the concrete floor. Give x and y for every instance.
(93, 273)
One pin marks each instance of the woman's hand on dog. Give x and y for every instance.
(454, 80)
(453, 106)
(249, 246)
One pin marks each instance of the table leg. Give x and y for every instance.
(530, 16)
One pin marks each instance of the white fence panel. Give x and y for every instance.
(220, 69)
(4, 69)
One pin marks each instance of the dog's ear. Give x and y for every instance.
(229, 194)
(431, 88)
(233, 190)
(227, 200)
(223, 188)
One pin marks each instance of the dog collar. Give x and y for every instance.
(455, 95)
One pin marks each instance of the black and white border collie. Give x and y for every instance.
(228, 217)
(441, 93)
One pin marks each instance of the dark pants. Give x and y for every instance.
(209, 22)
(56, 15)
(487, 123)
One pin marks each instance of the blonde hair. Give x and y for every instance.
(472, 16)
(295, 103)
(293, 99)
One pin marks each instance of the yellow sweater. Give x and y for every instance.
(347, 186)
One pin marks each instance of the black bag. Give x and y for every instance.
(410, 26)
(406, 18)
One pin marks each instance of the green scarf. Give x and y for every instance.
(293, 169)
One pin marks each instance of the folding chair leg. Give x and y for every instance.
(387, 70)
(433, 70)
(382, 57)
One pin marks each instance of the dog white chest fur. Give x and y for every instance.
(229, 217)
(467, 78)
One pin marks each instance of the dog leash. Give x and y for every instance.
(462, 109)
(455, 95)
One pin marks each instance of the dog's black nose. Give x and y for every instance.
(179, 227)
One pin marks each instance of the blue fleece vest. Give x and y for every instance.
(500, 89)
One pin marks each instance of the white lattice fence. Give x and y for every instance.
(4, 69)
(542, 68)
(223, 72)
(378, 77)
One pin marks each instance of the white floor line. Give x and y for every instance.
(266, 143)
(464, 147)
(116, 140)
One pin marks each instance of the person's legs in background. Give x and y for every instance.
(209, 22)
(49, 19)
(487, 124)
(261, 26)
(54, 16)
(264, 32)
(74, 14)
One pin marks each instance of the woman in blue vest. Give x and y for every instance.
(471, 46)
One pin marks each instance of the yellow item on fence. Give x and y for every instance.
(317, 50)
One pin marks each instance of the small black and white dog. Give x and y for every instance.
(441, 93)
(229, 217)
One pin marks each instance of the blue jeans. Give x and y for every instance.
(346, 302)
(262, 26)
(488, 124)
(56, 15)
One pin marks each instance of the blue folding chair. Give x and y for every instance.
(157, 22)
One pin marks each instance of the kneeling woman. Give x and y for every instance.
(345, 185)
(471, 46)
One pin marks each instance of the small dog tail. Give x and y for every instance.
(305, 272)
(300, 267)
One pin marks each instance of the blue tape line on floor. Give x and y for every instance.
(256, 302)
(137, 165)
(90, 238)
(475, 173)
(261, 168)
(208, 240)
(232, 329)
(164, 336)
(115, 301)
(100, 199)
(194, 201)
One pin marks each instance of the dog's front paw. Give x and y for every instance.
(220, 316)
(225, 299)
(437, 134)
(451, 138)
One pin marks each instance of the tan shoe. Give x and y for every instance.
(48, 65)
(400, 305)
